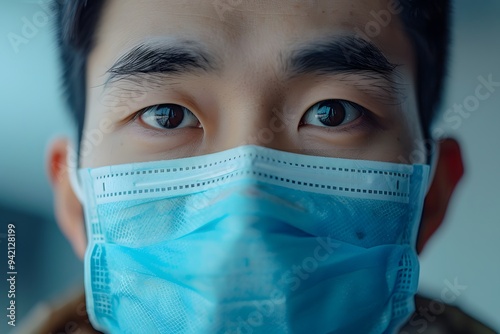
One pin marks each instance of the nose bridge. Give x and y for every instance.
(255, 129)
(252, 104)
(253, 118)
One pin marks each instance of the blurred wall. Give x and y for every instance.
(466, 250)
(467, 247)
(31, 113)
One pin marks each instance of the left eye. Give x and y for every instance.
(169, 116)
(332, 113)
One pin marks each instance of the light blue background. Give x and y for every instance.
(467, 248)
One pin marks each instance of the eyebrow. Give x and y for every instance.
(180, 57)
(351, 59)
(346, 54)
(337, 55)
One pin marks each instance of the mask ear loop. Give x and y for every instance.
(432, 162)
(72, 166)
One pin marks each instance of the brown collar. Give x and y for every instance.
(431, 316)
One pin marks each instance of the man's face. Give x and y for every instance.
(180, 78)
(329, 78)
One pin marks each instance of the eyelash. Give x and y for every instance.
(345, 107)
(175, 114)
(342, 110)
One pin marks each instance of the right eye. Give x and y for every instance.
(169, 116)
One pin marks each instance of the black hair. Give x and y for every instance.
(76, 22)
(427, 24)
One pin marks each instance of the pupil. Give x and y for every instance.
(331, 113)
(170, 116)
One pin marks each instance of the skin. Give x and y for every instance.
(235, 103)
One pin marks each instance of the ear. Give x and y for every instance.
(68, 209)
(449, 170)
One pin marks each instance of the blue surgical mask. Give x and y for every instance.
(252, 240)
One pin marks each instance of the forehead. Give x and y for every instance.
(258, 30)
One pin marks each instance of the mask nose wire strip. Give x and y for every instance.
(210, 175)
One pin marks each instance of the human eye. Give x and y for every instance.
(168, 116)
(332, 113)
